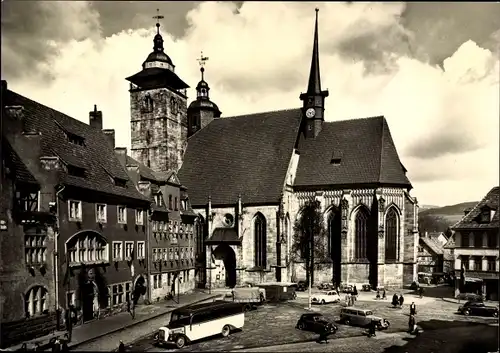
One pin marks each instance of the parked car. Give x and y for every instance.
(326, 297)
(315, 322)
(346, 287)
(301, 286)
(478, 308)
(362, 317)
(325, 286)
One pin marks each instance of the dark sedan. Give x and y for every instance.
(478, 309)
(316, 323)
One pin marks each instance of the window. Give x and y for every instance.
(75, 139)
(169, 279)
(420, 249)
(140, 250)
(361, 230)
(156, 281)
(118, 294)
(129, 249)
(176, 204)
(117, 251)
(260, 238)
(184, 204)
(70, 298)
(391, 234)
(147, 104)
(493, 239)
(122, 183)
(170, 202)
(155, 226)
(199, 236)
(75, 210)
(35, 301)
(27, 200)
(87, 247)
(334, 228)
(159, 199)
(171, 256)
(164, 254)
(128, 291)
(491, 263)
(100, 213)
(477, 263)
(76, 171)
(465, 262)
(485, 215)
(35, 249)
(139, 217)
(155, 254)
(122, 214)
(465, 240)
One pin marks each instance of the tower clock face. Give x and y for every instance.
(310, 113)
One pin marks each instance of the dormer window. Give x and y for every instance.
(76, 171)
(120, 182)
(335, 161)
(485, 216)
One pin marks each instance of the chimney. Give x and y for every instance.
(121, 154)
(16, 113)
(110, 134)
(95, 118)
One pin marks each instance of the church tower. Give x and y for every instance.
(158, 104)
(313, 106)
(201, 111)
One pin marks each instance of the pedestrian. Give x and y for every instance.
(401, 300)
(56, 346)
(395, 300)
(412, 323)
(323, 334)
(355, 294)
(421, 291)
(121, 347)
(383, 295)
(372, 329)
(378, 294)
(64, 346)
(413, 308)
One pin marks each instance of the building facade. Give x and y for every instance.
(476, 241)
(430, 257)
(83, 230)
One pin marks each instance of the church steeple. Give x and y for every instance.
(314, 99)
(157, 58)
(202, 111)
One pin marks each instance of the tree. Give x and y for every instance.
(309, 239)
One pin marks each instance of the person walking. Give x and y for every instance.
(383, 295)
(378, 295)
(412, 323)
(355, 294)
(401, 300)
(121, 347)
(413, 308)
(372, 329)
(64, 346)
(395, 300)
(323, 334)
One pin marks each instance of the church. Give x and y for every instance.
(248, 176)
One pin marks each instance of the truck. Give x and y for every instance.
(249, 297)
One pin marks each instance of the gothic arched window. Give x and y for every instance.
(391, 234)
(147, 104)
(260, 236)
(35, 301)
(361, 234)
(333, 233)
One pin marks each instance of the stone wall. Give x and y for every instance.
(160, 135)
(393, 275)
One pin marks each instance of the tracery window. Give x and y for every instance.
(260, 236)
(35, 301)
(361, 234)
(147, 104)
(391, 234)
(87, 248)
(333, 233)
(35, 249)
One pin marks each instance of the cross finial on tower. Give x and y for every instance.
(202, 61)
(158, 17)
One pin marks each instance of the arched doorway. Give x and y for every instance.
(90, 300)
(225, 253)
(140, 289)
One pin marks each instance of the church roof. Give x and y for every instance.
(97, 157)
(365, 149)
(247, 155)
(472, 219)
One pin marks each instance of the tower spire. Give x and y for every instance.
(158, 17)
(158, 40)
(314, 85)
(202, 60)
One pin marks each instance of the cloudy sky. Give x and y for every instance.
(431, 68)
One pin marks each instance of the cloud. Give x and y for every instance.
(443, 119)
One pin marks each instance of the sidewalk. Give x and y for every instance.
(99, 328)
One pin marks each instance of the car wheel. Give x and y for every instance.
(300, 326)
(180, 342)
(323, 302)
(466, 312)
(156, 336)
(225, 331)
(347, 321)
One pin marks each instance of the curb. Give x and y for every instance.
(135, 323)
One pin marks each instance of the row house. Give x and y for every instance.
(476, 248)
(171, 242)
(73, 223)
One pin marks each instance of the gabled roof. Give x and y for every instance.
(450, 244)
(19, 169)
(472, 221)
(366, 151)
(96, 156)
(434, 246)
(247, 155)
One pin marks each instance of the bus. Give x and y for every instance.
(199, 321)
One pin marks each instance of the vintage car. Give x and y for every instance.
(478, 308)
(362, 317)
(315, 322)
(325, 286)
(326, 297)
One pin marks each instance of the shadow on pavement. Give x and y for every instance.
(450, 337)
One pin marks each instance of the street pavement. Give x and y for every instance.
(274, 326)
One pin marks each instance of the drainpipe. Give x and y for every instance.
(148, 257)
(56, 257)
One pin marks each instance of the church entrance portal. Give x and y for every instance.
(225, 253)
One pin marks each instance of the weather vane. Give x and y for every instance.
(202, 60)
(158, 17)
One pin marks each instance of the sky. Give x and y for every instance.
(432, 69)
